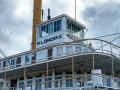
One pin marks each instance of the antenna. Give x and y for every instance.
(75, 9)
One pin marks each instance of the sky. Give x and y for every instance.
(13, 12)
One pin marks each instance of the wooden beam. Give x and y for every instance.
(24, 78)
(72, 66)
(5, 80)
(93, 63)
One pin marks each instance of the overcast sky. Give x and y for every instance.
(13, 12)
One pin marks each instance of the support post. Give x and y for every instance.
(102, 45)
(111, 49)
(25, 79)
(93, 68)
(93, 63)
(53, 78)
(5, 81)
(119, 51)
(73, 71)
(47, 76)
(72, 67)
(112, 67)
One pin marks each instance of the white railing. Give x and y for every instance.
(74, 83)
(87, 49)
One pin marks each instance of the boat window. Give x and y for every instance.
(78, 49)
(57, 25)
(50, 28)
(12, 62)
(29, 82)
(27, 58)
(68, 49)
(69, 82)
(21, 85)
(33, 57)
(59, 51)
(0, 64)
(49, 84)
(38, 86)
(56, 83)
(1, 84)
(18, 62)
(74, 29)
(4, 64)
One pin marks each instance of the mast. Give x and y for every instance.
(36, 20)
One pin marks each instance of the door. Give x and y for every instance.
(18, 62)
(13, 84)
(33, 57)
(50, 51)
(4, 63)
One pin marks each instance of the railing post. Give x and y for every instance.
(53, 78)
(111, 49)
(87, 45)
(119, 51)
(102, 45)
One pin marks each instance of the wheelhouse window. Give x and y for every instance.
(74, 29)
(50, 28)
(57, 25)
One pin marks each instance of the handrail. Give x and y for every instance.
(58, 44)
(88, 49)
(83, 78)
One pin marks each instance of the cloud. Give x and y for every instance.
(105, 21)
(13, 12)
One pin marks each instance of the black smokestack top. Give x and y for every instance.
(42, 11)
(42, 14)
(49, 17)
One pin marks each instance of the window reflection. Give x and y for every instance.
(50, 28)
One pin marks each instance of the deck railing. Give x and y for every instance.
(81, 82)
(98, 46)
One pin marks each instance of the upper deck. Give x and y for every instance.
(60, 45)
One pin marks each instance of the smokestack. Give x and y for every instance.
(49, 17)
